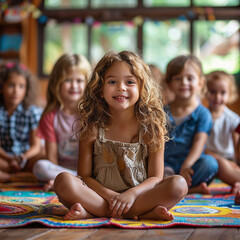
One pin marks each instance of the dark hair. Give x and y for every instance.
(176, 65)
(8, 68)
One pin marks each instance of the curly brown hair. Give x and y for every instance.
(94, 111)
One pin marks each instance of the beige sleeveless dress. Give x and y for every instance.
(117, 165)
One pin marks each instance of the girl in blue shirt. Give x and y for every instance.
(190, 125)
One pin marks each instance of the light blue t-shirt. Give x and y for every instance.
(177, 149)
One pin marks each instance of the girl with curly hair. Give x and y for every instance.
(122, 135)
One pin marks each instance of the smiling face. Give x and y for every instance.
(218, 93)
(14, 90)
(121, 87)
(187, 83)
(72, 87)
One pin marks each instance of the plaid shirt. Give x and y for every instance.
(15, 130)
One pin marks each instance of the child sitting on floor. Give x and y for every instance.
(66, 85)
(121, 147)
(222, 142)
(18, 119)
(191, 123)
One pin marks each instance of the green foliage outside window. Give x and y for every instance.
(164, 40)
(117, 36)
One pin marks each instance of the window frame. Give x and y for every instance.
(128, 14)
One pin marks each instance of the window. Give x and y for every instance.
(159, 29)
(217, 44)
(163, 40)
(117, 36)
(61, 38)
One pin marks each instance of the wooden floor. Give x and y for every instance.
(38, 232)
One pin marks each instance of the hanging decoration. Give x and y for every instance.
(205, 13)
(89, 20)
(77, 20)
(210, 14)
(138, 20)
(15, 11)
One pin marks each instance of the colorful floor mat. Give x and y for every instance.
(22, 207)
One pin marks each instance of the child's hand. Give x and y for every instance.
(110, 198)
(122, 203)
(187, 174)
(14, 165)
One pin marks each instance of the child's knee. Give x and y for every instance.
(61, 180)
(178, 186)
(40, 170)
(65, 183)
(210, 164)
(181, 186)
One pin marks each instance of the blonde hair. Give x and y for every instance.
(94, 111)
(59, 73)
(220, 75)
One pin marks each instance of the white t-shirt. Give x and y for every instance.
(220, 140)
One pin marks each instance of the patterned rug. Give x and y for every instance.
(26, 205)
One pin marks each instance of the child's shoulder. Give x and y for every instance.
(201, 109)
(231, 114)
(34, 110)
(202, 114)
(2, 108)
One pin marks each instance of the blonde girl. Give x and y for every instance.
(223, 140)
(19, 119)
(121, 147)
(66, 85)
(191, 123)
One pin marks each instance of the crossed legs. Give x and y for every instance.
(83, 202)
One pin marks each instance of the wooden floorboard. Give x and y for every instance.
(214, 234)
(42, 233)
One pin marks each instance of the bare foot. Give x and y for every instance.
(77, 212)
(4, 177)
(237, 198)
(48, 186)
(235, 187)
(201, 188)
(158, 213)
